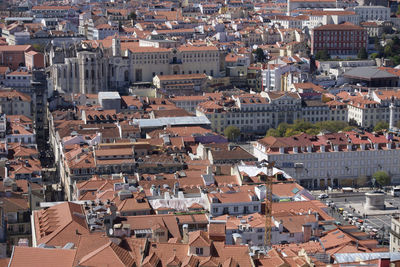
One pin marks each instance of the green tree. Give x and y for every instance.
(381, 125)
(291, 132)
(312, 131)
(362, 53)
(302, 126)
(38, 47)
(377, 43)
(348, 128)
(374, 55)
(260, 56)
(272, 132)
(353, 122)
(382, 178)
(331, 126)
(322, 55)
(387, 51)
(132, 16)
(396, 59)
(232, 133)
(398, 10)
(282, 128)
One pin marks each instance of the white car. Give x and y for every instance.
(323, 196)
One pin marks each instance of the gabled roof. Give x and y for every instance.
(199, 239)
(60, 224)
(109, 254)
(41, 257)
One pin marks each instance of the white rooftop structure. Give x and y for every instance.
(109, 95)
(172, 121)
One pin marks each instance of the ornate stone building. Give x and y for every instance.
(94, 66)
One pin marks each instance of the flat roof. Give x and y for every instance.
(18, 18)
(368, 73)
(173, 121)
(109, 95)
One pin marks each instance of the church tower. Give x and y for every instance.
(116, 46)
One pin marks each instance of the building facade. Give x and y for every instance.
(89, 68)
(338, 39)
(345, 159)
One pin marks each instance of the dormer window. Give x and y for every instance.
(199, 251)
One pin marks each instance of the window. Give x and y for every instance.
(235, 209)
(291, 234)
(199, 251)
(255, 208)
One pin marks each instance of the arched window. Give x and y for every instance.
(126, 76)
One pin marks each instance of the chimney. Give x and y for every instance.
(237, 239)
(218, 170)
(306, 232)
(280, 226)
(209, 170)
(185, 233)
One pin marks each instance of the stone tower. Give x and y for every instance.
(116, 46)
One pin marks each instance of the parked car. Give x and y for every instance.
(323, 196)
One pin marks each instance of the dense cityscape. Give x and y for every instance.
(198, 133)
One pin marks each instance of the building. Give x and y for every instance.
(102, 31)
(181, 85)
(379, 13)
(340, 40)
(371, 76)
(395, 235)
(311, 4)
(13, 56)
(47, 11)
(233, 203)
(15, 103)
(110, 100)
(336, 159)
(252, 113)
(58, 224)
(324, 17)
(89, 68)
(19, 197)
(19, 78)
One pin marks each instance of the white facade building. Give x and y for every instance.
(373, 13)
(332, 159)
(233, 203)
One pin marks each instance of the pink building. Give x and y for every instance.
(34, 60)
(13, 56)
